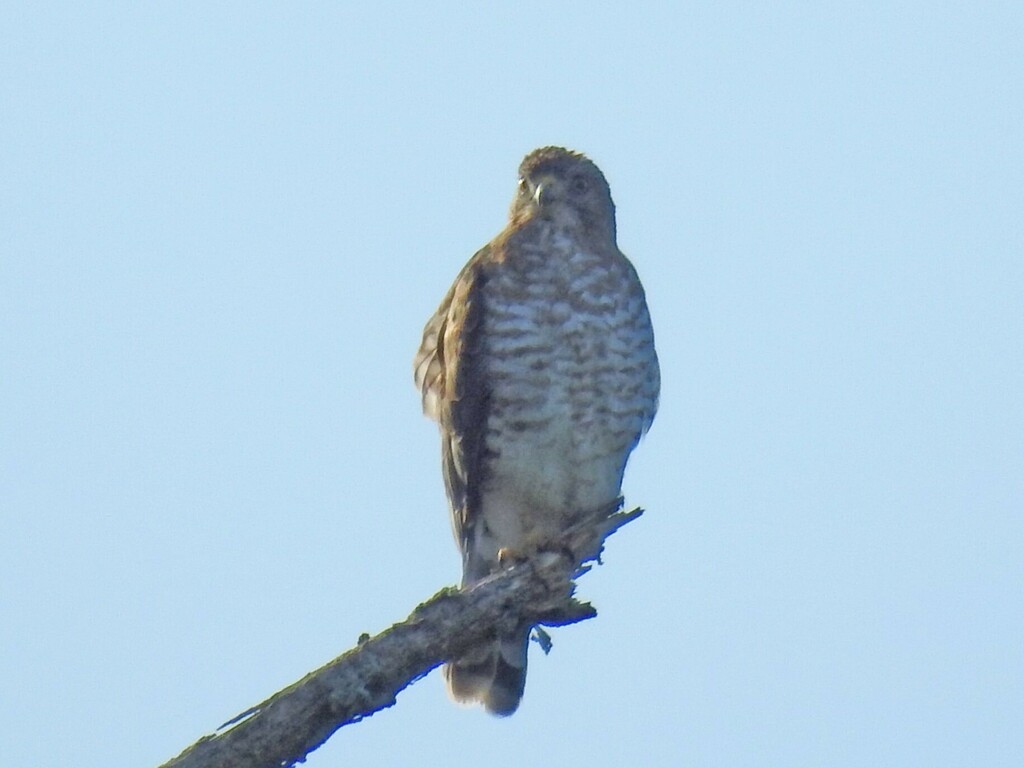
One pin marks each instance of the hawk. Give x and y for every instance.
(539, 368)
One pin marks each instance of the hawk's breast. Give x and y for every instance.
(572, 374)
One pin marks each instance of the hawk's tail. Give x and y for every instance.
(493, 674)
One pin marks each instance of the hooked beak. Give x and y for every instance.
(543, 192)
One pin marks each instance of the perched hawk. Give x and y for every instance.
(539, 367)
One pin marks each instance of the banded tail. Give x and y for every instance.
(493, 674)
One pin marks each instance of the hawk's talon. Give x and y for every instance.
(507, 557)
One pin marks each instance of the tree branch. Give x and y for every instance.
(289, 725)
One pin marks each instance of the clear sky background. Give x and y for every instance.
(221, 232)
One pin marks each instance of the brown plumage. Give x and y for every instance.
(539, 367)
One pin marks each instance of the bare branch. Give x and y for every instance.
(289, 725)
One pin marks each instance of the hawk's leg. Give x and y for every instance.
(542, 553)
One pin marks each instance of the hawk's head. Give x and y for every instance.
(565, 187)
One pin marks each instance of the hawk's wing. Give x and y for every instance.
(449, 371)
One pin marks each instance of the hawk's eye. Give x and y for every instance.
(579, 185)
(524, 188)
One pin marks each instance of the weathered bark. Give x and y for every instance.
(293, 722)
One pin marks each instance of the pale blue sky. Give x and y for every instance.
(221, 231)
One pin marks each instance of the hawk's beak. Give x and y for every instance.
(542, 193)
